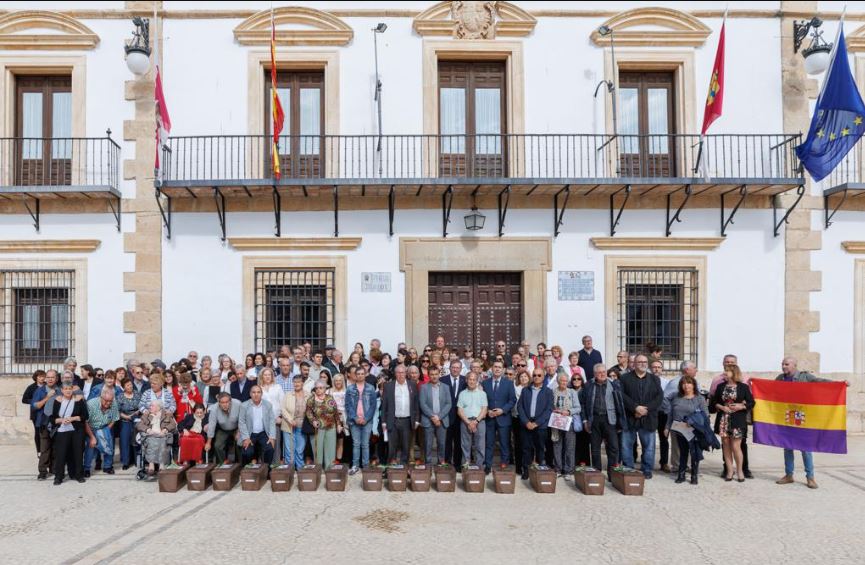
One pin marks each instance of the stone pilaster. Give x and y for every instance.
(799, 239)
(145, 321)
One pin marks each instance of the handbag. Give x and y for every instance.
(578, 424)
(307, 427)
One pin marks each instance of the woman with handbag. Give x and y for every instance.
(293, 418)
(68, 419)
(566, 403)
(323, 414)
(732, 401)
(683, 405)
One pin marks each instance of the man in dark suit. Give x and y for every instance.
(534, 408)
(400, 415)
(453, 445)
(501, 397)
(241, 388)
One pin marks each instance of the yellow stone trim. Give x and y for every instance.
(658, 243)
(511, 21)
(853, 246)
(49, 245)
(859, 322)
(327, 29)
(294, 243)
(682, 29)
(74, 35)
(338, 263)
(612, 263)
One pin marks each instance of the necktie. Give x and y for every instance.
(360, 402)
(495, 386)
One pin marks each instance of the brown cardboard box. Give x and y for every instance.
(474, 478)
(445, 478)
(198, 477)
(505, 480)
(372, 478)
(420, 478)
(253, 477)
(590, 481)
(542, 479)
(225, 476)
(172, 479)
(628, 481)
(397, 478)
(281, 478)
(308, 478)
(336, 478)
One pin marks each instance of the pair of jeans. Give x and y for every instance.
(104, 445)
(127, 449)
(494, 428)
(647, 444)
(807, 459)
(293, 444)
(360, 444)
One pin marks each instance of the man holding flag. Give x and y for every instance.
(837, 123)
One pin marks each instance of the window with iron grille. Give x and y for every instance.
(37, 319)
(659, 305)
(293, 306)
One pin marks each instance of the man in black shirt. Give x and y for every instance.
(641, 393)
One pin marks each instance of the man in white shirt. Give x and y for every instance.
(257, 425)
(400, 414)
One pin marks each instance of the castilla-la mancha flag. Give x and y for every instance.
(802, 416)
(715, 98)
(276, 107)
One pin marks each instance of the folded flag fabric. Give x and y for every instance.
(803, 416)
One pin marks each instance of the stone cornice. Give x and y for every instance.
(295, 243)
(49, 245)
(658, 243)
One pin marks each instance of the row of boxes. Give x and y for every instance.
(398, 478)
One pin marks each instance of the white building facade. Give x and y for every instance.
(593, 225)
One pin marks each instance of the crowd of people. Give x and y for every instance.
(437, 405)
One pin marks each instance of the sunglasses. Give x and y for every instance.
(522, 365)
(424, 360)
(538, 375)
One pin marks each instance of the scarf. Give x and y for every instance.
(197, 424)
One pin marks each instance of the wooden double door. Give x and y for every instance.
(476, 309)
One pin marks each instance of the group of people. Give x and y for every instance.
(439, 406)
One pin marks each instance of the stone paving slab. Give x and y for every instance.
(113, 519)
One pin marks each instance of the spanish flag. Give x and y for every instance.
(803, 416)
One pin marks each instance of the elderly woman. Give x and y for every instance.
(583, 437)
(566, 402)
(293, 411)
(193, 435)
(186, 396)
(128, 406)
(158, 391)
(683, 405)
(338, 393)
(158, 426)
(323, 414)
(68, 418)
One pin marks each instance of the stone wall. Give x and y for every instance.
(15, 427)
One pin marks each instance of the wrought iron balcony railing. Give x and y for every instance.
(64, 163)
(245, 160)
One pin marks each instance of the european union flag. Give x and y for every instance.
(837, 123)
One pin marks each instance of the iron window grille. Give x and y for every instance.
(293, 306)
(37, 320)
(659, 306)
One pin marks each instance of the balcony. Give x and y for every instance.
(541, 168)
(34, 170)
(843, 188)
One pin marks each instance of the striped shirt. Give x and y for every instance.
(98, 418)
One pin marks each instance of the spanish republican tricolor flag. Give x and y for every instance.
(803, 416)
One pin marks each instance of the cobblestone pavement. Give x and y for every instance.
(116, 518)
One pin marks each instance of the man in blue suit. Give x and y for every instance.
(453, 445)
(501, 397)
(534, 408)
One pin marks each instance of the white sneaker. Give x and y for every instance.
(353, 471)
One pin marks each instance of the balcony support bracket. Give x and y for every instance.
(391, 209)
(447, 201)
(116, 209)
(559, 214)
(164, 211)
(335, 211)
(743, 192)
(504, 200)
(826, 214)
(34, 211)
(220, 209)
(615, 218)
(277, 212)
(800, 193)
(675, 217)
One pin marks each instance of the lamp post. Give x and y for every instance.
(818, 51)
(380, 28)
(138, 48)
(604, 31)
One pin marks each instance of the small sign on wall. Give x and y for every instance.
(576, 285)
(375, 282)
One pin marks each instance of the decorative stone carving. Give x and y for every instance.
(474, 19)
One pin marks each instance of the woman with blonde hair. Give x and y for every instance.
(732, 402)
(338, 393)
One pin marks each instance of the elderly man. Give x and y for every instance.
(551, 372)
(501, 398)
(588, 356)
(257, 425)
(435, 407)
(360, 404)
(501, 349)
(602, 411)
(42, 397)
(453, 439)
(534, 409)
(297, 354)
(334, 362)
(790, 373)
(671, 390)
(138, 381)
(101, 413)
(472, 409)
(194, 367)
(399, 414)
(284, 377)
(621, 362)
(222, 432)
(641, 393)
(728, 361)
